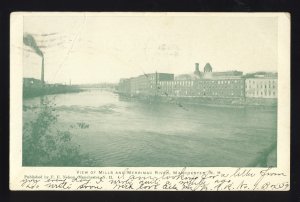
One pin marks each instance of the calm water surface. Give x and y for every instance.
(125, 132)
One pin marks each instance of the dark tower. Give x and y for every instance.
(207, 68)
(156, 77)
(196, 66)
(197, 71)
(42, 72)
(208, 71)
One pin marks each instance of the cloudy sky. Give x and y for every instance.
(92, 49)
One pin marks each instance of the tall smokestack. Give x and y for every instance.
(29, 40)
(197, 71)
(42, 72)
(196, 66)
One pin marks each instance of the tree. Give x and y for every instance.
(46, 145)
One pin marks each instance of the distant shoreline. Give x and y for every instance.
(36, 91)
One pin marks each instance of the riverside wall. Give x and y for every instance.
(238, 101)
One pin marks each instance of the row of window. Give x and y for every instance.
(222, 81)
(181, 83)
(262, 93)
(220, 87)
(260, 86)
(209, 93)
(205, 87)
(261, 81)
(220, 94)
(201, 82)
(200, 85)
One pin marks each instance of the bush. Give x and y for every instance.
(45, 145)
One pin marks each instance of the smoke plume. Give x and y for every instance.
(29, 40)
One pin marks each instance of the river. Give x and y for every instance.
(125, 132)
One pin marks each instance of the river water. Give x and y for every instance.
(124, 132)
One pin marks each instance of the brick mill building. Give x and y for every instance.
(206, 84)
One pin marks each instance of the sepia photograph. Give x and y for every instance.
(149, 90)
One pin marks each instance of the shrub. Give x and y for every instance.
(45, 145)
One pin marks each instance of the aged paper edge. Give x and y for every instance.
(17, 172)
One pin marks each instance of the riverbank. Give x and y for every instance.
(35, 91)
(211, 101)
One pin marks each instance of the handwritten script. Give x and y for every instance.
(183, 179)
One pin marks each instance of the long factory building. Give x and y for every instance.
(229, 84)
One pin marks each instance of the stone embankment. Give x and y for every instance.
(239, 101)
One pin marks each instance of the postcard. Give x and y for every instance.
(149, 101)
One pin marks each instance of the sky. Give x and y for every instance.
(96, 49)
